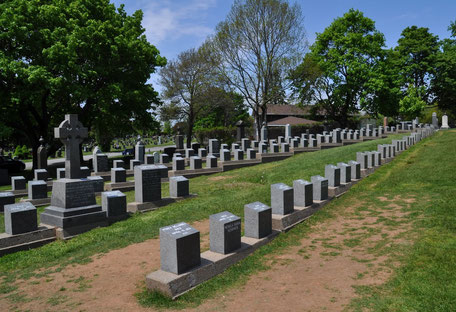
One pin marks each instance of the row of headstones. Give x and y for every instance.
(225, 228)
(22, 217)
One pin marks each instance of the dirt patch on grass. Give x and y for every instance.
(322, 272)
(108, 283)
(219, 178)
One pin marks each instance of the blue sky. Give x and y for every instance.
(174, 26)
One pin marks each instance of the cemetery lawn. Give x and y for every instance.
(412, 254)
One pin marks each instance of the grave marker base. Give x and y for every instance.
(212, 264)
(38, 202)
(13, 243)
(283, 223)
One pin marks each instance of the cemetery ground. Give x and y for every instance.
(387, 244)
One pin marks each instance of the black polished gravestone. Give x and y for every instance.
(73, 208)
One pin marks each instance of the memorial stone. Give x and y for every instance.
(37, 190)
(320, 188)
(332, 173)
(444, 122)
(287, 131)
(214, 148)
(41, 174)
(361, 158)
(156, 157)
(100, 163)
(179, 248)
(6, 198)
(20, 218)
(303, 193)
(211, 161)
(178, 163)
(264, 133)
(178, 187)
(355, 169)
(285, 148)
(18, 183)
(202, 152)
(114, 203)
(118, 163)
(257, 220)
(118, 175)
(41, 155)
(225, 155)
(164, 158)
(245, 143)
(84, 172)
(147, 183)
(435, 120)
(251, 153)
(195, 163)
(224, 232)
(134, 163)
(281, 199)
(240, 130)
(189, 153)
(238, 154)
(60, 173)
(345, 172)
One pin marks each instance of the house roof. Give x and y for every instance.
(291, 120)
(288, 110)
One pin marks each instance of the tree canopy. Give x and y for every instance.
(74, 56)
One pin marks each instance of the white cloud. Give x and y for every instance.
(174, 19)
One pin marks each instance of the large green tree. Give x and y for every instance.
(74, 56)
(418, 50)
(339, 70)
(256, 46)
(444, 83)
(186, 80)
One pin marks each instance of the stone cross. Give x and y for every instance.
(71, 133)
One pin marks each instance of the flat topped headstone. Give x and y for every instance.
(257, 220)
(20, 218)
(179, 248)
(345, 172)
(332, 173)
(282, 201)
(225, 232)
(37, 189)
(18, 183)
(70, 193)
(71, 133)
(40, 174)
(6, 198)
(147, 183)
(320, 187)
(114, 203)
(178, 187)
(303, 193)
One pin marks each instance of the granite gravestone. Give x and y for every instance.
(178, 187)
(240, 131)
(114, 203)
(147, 183)
(40, 174)
(257, 220)
(355, 169)
(37, 190)
(251, 153)
(435, 120)
(303, 193)
(60, 172)
(118, 175)
(444, 122)
(179, 248)
(238, 154)
(73, 206)
(202, 152)
(282, 201)
(18, 183)
(100, 162)
(345, 172)
(6, 198)
(20, 218)
(118, 164)
(224, 232)
(211, 161)
(332, 173)
(320, 188)
(195, 163)
(178, 163)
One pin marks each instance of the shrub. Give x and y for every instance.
(223, 134)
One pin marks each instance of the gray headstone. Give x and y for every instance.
(202, 152)
(355, 169)
(361, 158)
(98, 183)
(332, 173)
(84, 172)
(118, 175)
(225, 155)
(345, 172)
(179, 142)
(251, 153)
(189, 153)
(245, 143)
(225, 232)
(195, 163)
(71, 133)
(149, 159)
(178, 187)
(179, 248)
(164, 158)
(303, 193)
(156, 157)
(285, 148)
(40, 174)
(257, 220)
(60, 173)
(211, 161)
(37, 189)
(100, 163)
(41, 155)
(264, 133)
(435, 120)
(118, 164)
(20, 218)
(6, 198)
(178, 163)
(18, 183)
(320, 188)
(147, 183)
(287, 131)
(282, 201)
(114, 203)
(238, 154)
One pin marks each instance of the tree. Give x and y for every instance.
(337, 73)
(256, 46)
(185, 80)
(444, 83)
(418, 49)
(412, 104)
(74, 56)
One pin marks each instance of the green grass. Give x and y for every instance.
(236, 188)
